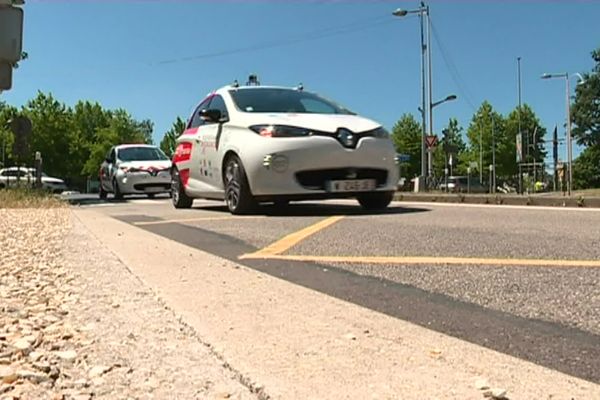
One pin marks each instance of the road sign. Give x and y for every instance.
(519, 147)
(474, 165)
(5, 76)
(21, 127)
(431, 141)
(11, 33)
(403, 157)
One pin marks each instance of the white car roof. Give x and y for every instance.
(125, 146)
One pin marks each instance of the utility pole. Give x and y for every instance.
(555, 156)
(493, 155)
(520, 132)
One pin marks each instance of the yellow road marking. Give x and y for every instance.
(170, 221)
(525, 262)
(294, 238)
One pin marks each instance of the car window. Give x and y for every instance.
(141, 154)
(196, 118)
(275, 100)
(218, 103)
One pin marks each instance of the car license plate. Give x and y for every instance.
(354, 185)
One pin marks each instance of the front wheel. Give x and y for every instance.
(117, 190)
(178, 196)
(375, 200)
(238, 197)
(102, 193)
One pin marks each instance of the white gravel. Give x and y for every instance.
(76, 324)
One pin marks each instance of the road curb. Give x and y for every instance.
(554, 201)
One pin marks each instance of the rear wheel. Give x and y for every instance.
(375, 200)
(238, 197)
(178, 196)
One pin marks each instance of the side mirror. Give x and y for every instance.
(211, 115)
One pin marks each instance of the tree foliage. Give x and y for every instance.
(585, 112)
(169, 140)
(586, 117)
(72, 140)
(451, 140)
(406, 135)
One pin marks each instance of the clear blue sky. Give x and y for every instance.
(355, 52)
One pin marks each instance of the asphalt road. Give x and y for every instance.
(523, 281)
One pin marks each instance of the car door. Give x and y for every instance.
(107, 170)
(189, 144)
(210, 144)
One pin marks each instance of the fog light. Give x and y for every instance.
(280, 163)
(124, 180)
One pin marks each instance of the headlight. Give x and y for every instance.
(380, 133)
(280, 131)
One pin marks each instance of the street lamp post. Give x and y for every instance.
(423, 12)
(567, 77)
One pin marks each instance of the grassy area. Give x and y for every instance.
(28, 198)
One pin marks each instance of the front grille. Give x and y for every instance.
(143, 186)
(315, 179)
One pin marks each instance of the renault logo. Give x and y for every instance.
(346, 137)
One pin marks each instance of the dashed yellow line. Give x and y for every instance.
(171, 221)
(292, 239)
(524, 262)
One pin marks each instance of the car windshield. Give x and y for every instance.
(267, 100)
(141, 154)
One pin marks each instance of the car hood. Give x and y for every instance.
(318, 122)
(146, 165)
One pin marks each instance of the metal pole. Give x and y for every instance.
(423, 100)
(430, 97)
(569, 143)
(493, 155)
(534, 152)
(480, 155)
(520, 133)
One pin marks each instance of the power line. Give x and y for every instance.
(462, 87)
(355, 26)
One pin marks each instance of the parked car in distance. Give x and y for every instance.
(270, 144)
(13, 176)
(134, 169)
(462, 184)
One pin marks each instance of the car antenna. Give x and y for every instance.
(300, 87)
(236, 84)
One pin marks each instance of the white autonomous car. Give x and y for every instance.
(257, 144)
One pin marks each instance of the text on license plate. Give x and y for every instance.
(354, 185)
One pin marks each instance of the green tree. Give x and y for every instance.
(6, 136)
(586, 109)
(451, 140)
(586, 117)
(406, 135)
(487, 133)
(586, 169)
(87, 119)
(169, 140)
(532, 141)
(50, 134)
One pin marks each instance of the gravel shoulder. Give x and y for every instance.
(75, 323)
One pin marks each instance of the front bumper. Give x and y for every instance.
(300, 168)
(144, 182)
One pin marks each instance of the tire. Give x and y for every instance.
(178, 196)
(375, 200)
(102, 193)
(238, 197)
(117, 190)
